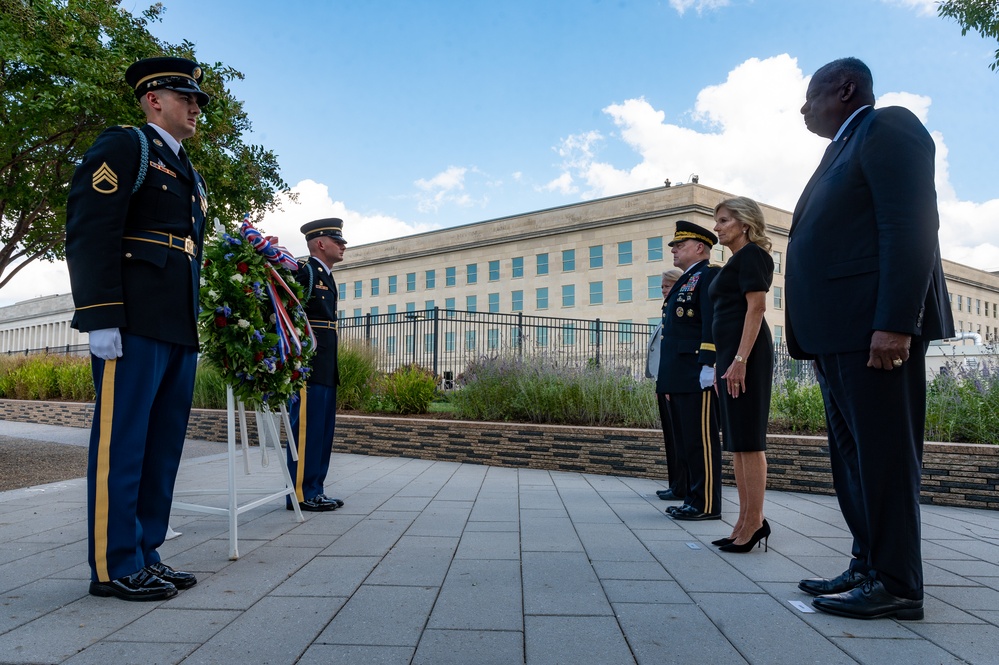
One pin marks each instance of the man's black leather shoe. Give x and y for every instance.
(338, 502)
(688, 513)
(178, 578)
(316, 505)
(139, 586)
(668, 495)
(870, 600)
(821, 586)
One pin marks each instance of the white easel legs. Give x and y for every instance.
(267, 432)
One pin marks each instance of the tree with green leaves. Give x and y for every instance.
(62, 65)
(981, 16)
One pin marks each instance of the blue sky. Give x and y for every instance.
(404, 116)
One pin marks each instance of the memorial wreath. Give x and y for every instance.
(253, 326)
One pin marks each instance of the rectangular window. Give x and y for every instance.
(493, 303)
(374, 312)
(428, 305)
(340, 314)
(624, 290)
(428, 342)
(718, 254)
(541, 336)
(410, 281)
(358, 288)
(517, 268)
(393, 283)
(342, 288)
(568, 260)
(448, 342)
(450, 276)
(492, 339)
(494, 271)
(542, 297)
(778, 298)
(470, 303)
(375, 286)
(410, 307)
(357, 313)
(778, 258)
(471, 273)
(778, 334)
(596, 257)
(469, 340)
(431, 279)
(409, 344)
(978, 307)
(391, 313)
(449, 304)
(568, 334)
(596, 293)
(655, 287)
(518, 301)
(596, 334)
(390, 345)
(515, 338)
(655, 320)
(568, 295)
(624, 331)
(960, 303)
(543, 264)
(624, 253)
(655, 248)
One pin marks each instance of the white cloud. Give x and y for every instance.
(922, 7)
(562, 184)
(681, 6)
(38, 278)
(740, 141)
(446, 188)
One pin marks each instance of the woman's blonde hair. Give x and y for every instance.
(748, 212)
(672, 275)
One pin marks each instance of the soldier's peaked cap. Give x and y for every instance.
(177, 74)
(689, 231)
(331, 227)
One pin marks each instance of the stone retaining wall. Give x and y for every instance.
(953, 474)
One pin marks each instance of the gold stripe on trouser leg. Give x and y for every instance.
(709, 489)
(106, 417)
(300, 469)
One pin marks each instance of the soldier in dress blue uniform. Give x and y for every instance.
(313, 415)
(686, 372)
(134, 262)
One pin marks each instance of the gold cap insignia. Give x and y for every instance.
(196, 74)
(105, 180)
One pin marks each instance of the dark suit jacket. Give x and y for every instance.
(320, 305)
(142, 287)
(687, 341)
(863, 252)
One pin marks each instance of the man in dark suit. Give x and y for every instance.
(135, 224)
(686, 373)
(865, 296)
(313, 415)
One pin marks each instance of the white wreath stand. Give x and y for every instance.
(267, 432)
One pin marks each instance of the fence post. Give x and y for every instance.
(598, 342)
(437, 337)
(520, 334)
(367, 328)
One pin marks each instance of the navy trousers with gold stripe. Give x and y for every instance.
(695, 430)
(140, 420)
(313, 435)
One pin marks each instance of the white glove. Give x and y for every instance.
(707, 377)
(106, 343)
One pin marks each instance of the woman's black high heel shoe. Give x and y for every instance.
(721, 542)
(763, 533)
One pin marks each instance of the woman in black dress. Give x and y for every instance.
(745, 359)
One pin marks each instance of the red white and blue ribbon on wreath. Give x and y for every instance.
(287, 333)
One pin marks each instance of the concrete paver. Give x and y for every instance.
(439, 562)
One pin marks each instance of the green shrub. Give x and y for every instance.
(409, 389)
(38, 379)
(358, 368)
(9, 365)
(209, 387)
(798, 406)
(962, 404)
(75, 379)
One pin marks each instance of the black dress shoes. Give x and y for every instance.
(317, 504)
(688, 513)
(143, 585)
(870, 600)
(178, 578)
(338, 502)
(668, 495)
(821, 586)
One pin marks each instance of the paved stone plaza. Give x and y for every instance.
(438, 562)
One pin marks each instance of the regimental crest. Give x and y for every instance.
(105, 181)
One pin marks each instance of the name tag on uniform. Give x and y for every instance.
(160, 167)
(323, 287)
